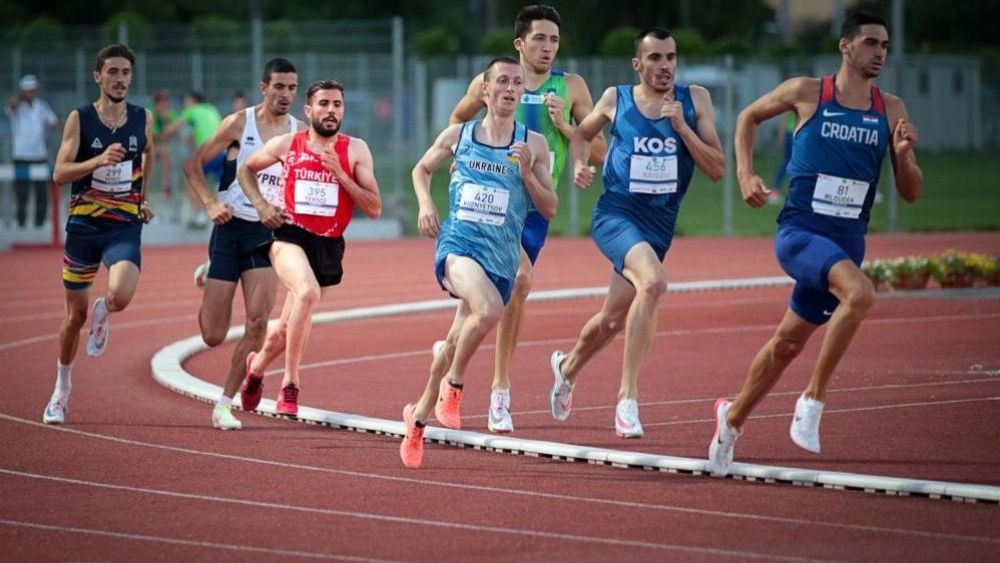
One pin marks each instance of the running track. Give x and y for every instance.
(138, 473)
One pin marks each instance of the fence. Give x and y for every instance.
(399, 103)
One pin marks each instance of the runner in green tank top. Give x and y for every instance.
(551, 99)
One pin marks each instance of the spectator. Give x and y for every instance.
(29, 115)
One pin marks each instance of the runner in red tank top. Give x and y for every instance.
(327, 174)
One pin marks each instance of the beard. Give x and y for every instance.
(116, 99)
(323, 132)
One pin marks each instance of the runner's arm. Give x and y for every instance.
(436, 155)
(471, 104)
(67, 170)
(904, 135)
(364, 191)
(538, 180)
(703, 142)
(582, 105)
(579, 144)
(229, 131)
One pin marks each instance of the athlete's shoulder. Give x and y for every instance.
(804, 88)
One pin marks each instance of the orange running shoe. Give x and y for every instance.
(447, 407)
(411, 450)
(253, 387)
(288, 401)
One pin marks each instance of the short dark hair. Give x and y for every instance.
(113, 50)
(198, 97)
(327, 84)
(656, 32)
(274, 65)
(853, 22)
(528, 14)
(496, 61)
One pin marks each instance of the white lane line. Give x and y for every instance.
(740, 516)
(55, 334)
(189, 543)
(837, 411)
(412, 521)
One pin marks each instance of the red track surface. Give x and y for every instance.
(138, 473)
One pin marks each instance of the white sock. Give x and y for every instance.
(224, 401)
(63, 382)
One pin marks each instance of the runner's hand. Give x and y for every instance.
(754, 190)
(114, 154)
(583, 175)
(428, 221)
(673, 111)
(146, 212)
(219, 213)
(904, 137)
(555, 106)
(522, 152)
(271, 216)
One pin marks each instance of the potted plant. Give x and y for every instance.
(878, 272)
(910, 272)
(986, 268)
(953, 269)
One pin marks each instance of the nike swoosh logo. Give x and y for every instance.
(827, 313)
(828, 113)
(624, 424)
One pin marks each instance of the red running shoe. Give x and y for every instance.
(253, 387)
(288, 400)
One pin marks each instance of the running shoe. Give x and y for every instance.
(447, 408)
(720, 451)
(55, 411)
(201, 274)
(561, 396)
(627, 423)
(411, 450)
(288, 400)
(253, 387)
(223, 419)
(499, 419)
(805, 424)
(97, 339)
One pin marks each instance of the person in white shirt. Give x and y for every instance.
(29, 115)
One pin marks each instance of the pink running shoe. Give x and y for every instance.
(288, 400)
(447, 408)
(253, 386)
(411, 450)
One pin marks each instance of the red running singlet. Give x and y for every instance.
(314, 198)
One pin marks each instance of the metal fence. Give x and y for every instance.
(398, 103)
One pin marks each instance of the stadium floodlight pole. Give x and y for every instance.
(897, 56)
(728, 187)
(256, 40)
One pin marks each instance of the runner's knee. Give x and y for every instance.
(256, 330)
(786, 349)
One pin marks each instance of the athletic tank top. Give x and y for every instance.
(647, 161)
(835, 166)
(271, 179)
(314, 199)
(488, 204)
(534, 114)
(110, 194)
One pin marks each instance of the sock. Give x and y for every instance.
(419, 424)
(63, 382)
(224, 401)
(456, 385)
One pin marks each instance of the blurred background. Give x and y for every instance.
(406, 63)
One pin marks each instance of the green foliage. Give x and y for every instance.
(40, 33)
(497, 43)
(216, 33)
(435, 41)
(690, 42)
(780, 50)
(279, 36)
(140, 30)
(730, 45)
(619, 42)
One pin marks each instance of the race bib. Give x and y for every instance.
(272, 185)
(482, 204)
(316, 198)
(653, 174)
(113, 178)
(839, 197)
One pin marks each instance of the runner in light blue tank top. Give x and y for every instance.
(847, 125)
(486, 210)
(660, 132)
(499, 166)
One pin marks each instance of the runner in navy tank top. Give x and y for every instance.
(236, 248)
(327, 174)
(661, 131)
(107, 154)
(846, 127)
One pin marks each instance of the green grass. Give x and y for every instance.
(961, 192)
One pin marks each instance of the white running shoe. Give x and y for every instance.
(97, 339)
(805, 425)
(720, 451)
(55, 411)
(223, 419)
(499, 419)
(437, 347)
(627, 423)
(201, 274)
(561, 396)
